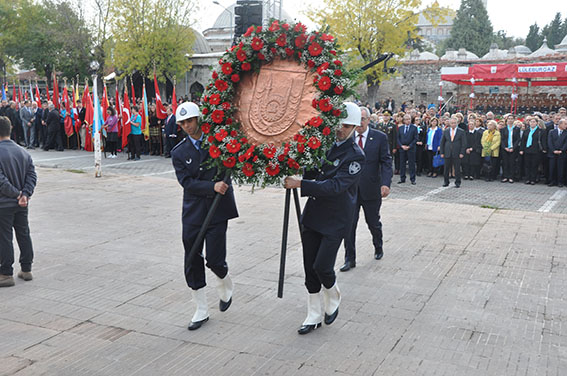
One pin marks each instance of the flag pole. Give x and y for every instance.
(96, 120)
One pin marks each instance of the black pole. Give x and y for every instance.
(297, 210)
(284, 242)
(207, 221)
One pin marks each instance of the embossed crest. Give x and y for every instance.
(354, 168)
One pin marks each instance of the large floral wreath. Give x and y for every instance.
(267, 163)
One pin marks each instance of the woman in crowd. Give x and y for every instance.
(111, 126)
(433, 143)
(490, 148)
(155, 131)
(135, 136)
(531, 148)
(472, 159)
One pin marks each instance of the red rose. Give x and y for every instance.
(220, 135)
(248, 169)
(261, 56)
(225, 105)
(285, 27)
(299, 138)
(333, 52)
(339, 89)
(300, 41)
(257, 44)
(338, 62)
(301, 148)
(313, 142)
(312, 38)
(227, 68)
(255, 158)
(246, 67)
(214, 152)
(272, 169)
(327, 37)
(314, 103)
(275, 26)
(325, 105)
(288, 51)
(298, 54)
(215, 75)
(315, 121)
(229, 162)
(221, 85)
(233, 146)
(315, 49)
(206, 128)
(281, 41)
(244, 140)
(214, 99)
(235, 78)
(205, 110)
(249, 31)
(210, 139)
(326, 131)
(241, 55)
(310, 63)
(338, 72)
(322, 67)
(293, 164)
(281, 157)
(233, 134)
(218, 116)
(259, 29)
(269, 151)
(273, 50)
(324, 83)
(337, 112)
(241, 158)
(228, 121)
(300, 28)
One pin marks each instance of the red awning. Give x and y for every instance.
(537, 74)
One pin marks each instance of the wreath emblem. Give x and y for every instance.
(245, 144)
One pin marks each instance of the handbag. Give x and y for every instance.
(438, 161)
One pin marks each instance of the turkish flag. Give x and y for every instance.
(125, 119)
(174, 101)
(37, 96)
(55, 92)
(118, 112)
(89, 118)
(161, 113)
(68, 122)
(104, 104)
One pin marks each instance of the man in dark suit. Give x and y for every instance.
(557, 149)
(374, 184)
(200, 183)
(170, 131)
(509, 144)
(53, 129)
(407, 140)
(453, 145)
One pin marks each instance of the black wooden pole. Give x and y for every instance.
(284, 242)
(297, 211)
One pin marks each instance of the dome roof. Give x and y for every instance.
(201, 46)
(224, 21)
(495, 53)
(519, 51)
(562, 47)
(462, 54)
(544, 50)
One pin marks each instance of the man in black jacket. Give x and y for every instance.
(557, 149)
(374, 184)
(453, 144)
(170, 132)
(53, 129)
(509, 144)
(17, 183)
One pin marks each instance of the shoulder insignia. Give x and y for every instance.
(336, 162)
(354, 168)
(179, 144)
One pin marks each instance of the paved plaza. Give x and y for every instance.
(466, 287)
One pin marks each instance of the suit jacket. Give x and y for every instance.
(452, 149)
(333, 190)
(474, 141)
(504, 133)
(171, 126)
(377, 168)
(38, 117)
(556, 142)
(537, 142)
(198, 183)
(52, 120)
(26, 115)
(408, 138)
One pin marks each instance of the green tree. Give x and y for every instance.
(505, 42)
(149, 32)
(366, 29)
(553, 32)
(534, 38)
(472, 28)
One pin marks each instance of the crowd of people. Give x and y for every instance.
(508, 148)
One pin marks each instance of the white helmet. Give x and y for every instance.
(353, 114)
(186, 110)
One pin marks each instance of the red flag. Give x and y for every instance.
(89, 117)
(68, 121)
(118, 111)
(20, 99)
(161, 113)
(37, 96)
(85, 96)
(14, 96)
(47, 90)
(174, 101)
(104, 103)
(26, 95)
(76, 112)
(55, 92)
(133, 93)
(125, 119)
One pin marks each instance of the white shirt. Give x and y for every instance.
(364, 137)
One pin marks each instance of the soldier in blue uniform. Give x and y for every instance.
(327, 218)
(199, 186)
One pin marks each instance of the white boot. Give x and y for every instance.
(332, 300)
(202, 312)
(224, 289)
(314, 314)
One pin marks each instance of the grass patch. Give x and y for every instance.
(75, 171)
(489, 207)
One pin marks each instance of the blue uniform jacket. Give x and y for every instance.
(408, 138)
(171, 126)
(377, 169)
(333, 192)
(198, 183)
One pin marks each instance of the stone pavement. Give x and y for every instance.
(462, 290)
(479, 193)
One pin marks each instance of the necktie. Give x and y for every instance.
(406, 129)
(360, 141)
(198, 144)
(452, 134)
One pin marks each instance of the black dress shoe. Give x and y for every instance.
(347, 266)
(457, 186)
(196, 325)
(445, 184)
(401, 182)
(378, 255)
(308, 328)
(329, 319)
(413, 183)
(560, 185)
(223, 306)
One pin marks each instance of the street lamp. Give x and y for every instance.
(231, 17)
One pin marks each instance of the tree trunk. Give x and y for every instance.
(372, 90)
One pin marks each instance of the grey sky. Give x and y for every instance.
(513, 16)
